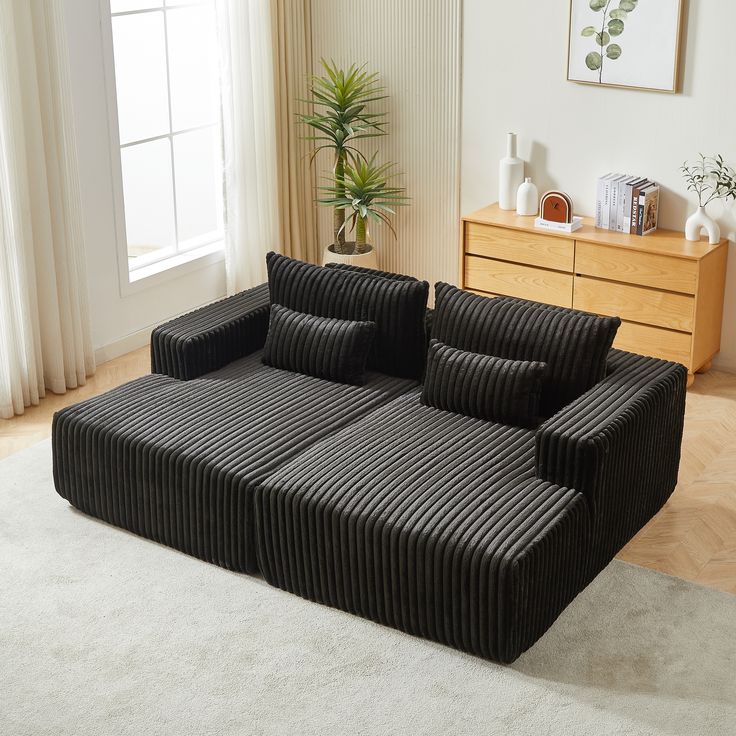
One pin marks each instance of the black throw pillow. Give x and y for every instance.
(574, 344)
(483, 386)
(397, 308)
(324, 347)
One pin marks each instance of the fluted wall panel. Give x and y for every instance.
(415, 45)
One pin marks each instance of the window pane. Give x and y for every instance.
(140, 75)
(193, 70)
(198, 167)
(148, 195)
(123, 6)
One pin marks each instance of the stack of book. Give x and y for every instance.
(627, 204)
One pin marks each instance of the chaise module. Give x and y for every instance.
(460, 474)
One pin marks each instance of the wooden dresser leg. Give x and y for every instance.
(690, 379)
(705, 367)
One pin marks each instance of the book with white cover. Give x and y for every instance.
(599, 200)
(606, 205)
(615, 184)
(560, 227)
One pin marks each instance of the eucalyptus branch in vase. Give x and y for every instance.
(612, 25)
(711, 179)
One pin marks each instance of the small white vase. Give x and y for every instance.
(527, 199)
(697, 222)
(365, 260)
(510, 175)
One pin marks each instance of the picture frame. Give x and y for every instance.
(630, 44)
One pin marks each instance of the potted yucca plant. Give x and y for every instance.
(364, 193)
(339, 117)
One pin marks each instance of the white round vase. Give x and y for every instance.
(365, 260)
(700, 220)
(527, 199)
(510, 175)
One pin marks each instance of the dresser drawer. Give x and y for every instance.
(514, 279)
(654, 341)
(634, 267)
(519, 246)
(635, 303)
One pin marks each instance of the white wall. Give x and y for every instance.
(415, 46)
(514, 79)
(119, 323)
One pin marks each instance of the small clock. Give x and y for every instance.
(556, 207)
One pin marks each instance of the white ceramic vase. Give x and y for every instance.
(700, 220)
(365, 260)
(510, 175)
(527, 199)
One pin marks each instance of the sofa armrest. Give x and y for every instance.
(619, 444)
(213, 336)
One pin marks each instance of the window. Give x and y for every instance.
(169, 124)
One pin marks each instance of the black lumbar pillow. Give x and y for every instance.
(483, 386)
(397, 307)
(324, 347)
(574, 344)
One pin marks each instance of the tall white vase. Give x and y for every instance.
(700, 220)
(510, 175)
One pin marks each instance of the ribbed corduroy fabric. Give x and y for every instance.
(211, 337)
(573, 344)
(397, 308)
(370, 271)
(323, 347)
(619, 444)
(484, 387)
(174, 461)
(484, 537)
(468, 532)
(430, 522)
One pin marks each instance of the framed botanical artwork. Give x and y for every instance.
(625, 43)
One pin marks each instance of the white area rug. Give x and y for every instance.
(103, 633)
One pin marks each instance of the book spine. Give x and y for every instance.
(626, 210)
(599, 203)
(640, 213)
(634, 210)
(614, 205)
(622, 204)
(606, 214)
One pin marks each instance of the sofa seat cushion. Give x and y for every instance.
(430, 522)
(574, 344)
(174, 460)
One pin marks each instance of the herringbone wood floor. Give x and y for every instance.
(692, 537)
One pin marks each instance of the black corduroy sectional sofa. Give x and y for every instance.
(460, 477)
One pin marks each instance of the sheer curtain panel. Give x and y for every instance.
(269, 188)
(45, 339)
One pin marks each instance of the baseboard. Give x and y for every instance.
(124, 345)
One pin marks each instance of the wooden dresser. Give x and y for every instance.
(667, 291)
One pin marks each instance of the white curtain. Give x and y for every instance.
(266, 62)
(249, 133)
(44, 329)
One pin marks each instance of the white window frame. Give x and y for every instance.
(148, 273)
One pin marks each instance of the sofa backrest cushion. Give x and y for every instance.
(482, 386)
(574, 344)
(397, 308)
(370, 271)
(324, 347)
